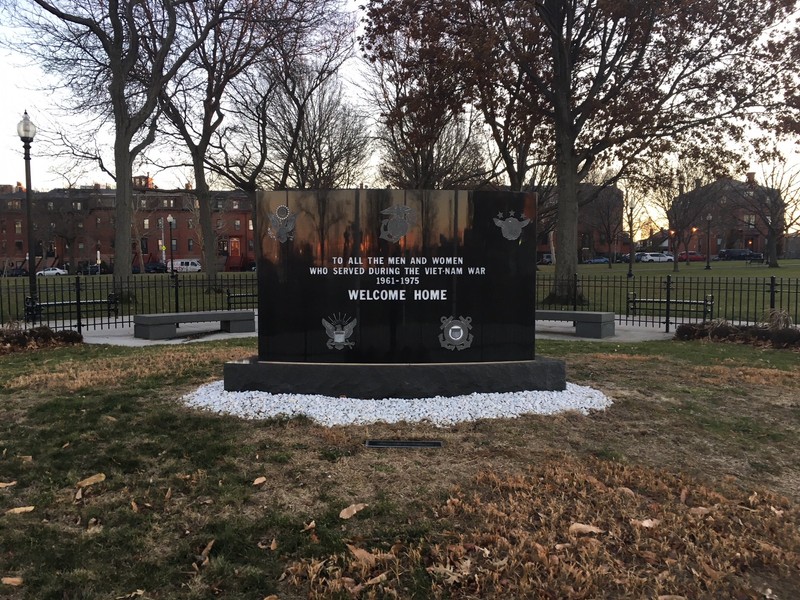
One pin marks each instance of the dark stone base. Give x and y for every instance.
(395, 380)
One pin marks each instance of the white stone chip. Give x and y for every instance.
(439, 411)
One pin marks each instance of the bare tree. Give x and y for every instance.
(114, 58)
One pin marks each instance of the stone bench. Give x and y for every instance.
(590, 324)
(161, 326)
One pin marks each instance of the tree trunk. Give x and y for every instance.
(123, 211)
(206, 225)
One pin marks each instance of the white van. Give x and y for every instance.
(184, 265)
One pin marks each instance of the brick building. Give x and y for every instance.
(77, 226)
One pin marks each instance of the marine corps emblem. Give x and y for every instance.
(396, 226)
(339, 330)
(456, 333)
(511, 225)
(281, 224)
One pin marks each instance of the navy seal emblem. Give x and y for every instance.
(396, 226)
(281, 224)
(511, 225)
(456, 333)
(339, 329)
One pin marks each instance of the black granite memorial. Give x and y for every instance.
(393, 293)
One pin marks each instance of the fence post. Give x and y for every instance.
(772, 290)
(575, 293)
(669, 299)
(78, 302)
(175, 279)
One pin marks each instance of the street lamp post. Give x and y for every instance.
(173, 272)
(26, 131)
(709, 218)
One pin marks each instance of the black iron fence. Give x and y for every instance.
(100, 301)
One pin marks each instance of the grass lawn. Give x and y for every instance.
(688, 486)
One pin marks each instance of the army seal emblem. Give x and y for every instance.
(456, 333)
(339, 329)
(281, 224)
(511, 225)
(396, 226)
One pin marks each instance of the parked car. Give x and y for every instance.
(693, 256)
(597, 260)
(655, 257)
(184, 265)
(94, 269)
(15, 272)
(155, 267)
(739, 254)
(547, 259)
(49, 271)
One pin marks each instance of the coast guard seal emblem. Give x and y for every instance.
(281, 224)
(456, 333)
(396, 226)
(339, 329)
(511, 225)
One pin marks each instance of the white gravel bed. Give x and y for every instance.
(439, 411)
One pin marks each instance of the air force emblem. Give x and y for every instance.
(339, 330)
(456, 333)
(396, 226)
(281, 224)
(511, 226)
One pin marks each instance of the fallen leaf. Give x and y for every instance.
(684, 495)
(134, 506)
(647, 523)
(772, 508)
(271, 597)
(26, 459)
(699, 510)
(362, 555)
(91, 480)
(79, 495)
(307, 526)
(580, 528)
(671, 597)
(351, 510)
(168, 495)
(560, 547)
(4, 485)
(274, 545)
(627, 491)
(377, 579)
(66, 445)
(207, 549)
(15, 581)
(19, 510)
(259, 481)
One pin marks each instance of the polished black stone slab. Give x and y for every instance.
(395, 380)
(393, 276)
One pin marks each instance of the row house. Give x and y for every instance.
(728, 214)
(77, 226)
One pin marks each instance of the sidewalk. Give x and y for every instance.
(203, 332)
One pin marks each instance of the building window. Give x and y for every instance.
(18, 245)
(222, 247)
(750, 220)
(218, 205)
(190, 244)
(146, 224)
(80, 224)
(219, 223)
(190, 223)
(14, 205)
(160, 222)
(235, 204)
(17, 226)
(50, 206)
(80, 245)
(250, 245)
(173, 245)
(142, 203)
(237, 224)
(144, 244)
(250, 224)
(113, 221)
(167, 203)
(77, 205)
(97, 222)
